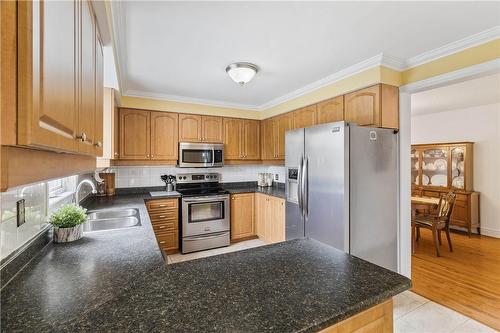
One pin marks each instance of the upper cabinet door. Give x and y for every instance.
(134, 134)
(282, 124)
(47, 113)
(190, 128)
(331, 110)
(251, 139)
(232, 139)
(267, 139)
(212, 129)
(164, 142)
(363, 106)
(99, 97)
(305, 117)
(86, 113)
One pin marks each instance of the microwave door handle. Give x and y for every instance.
(213, 156)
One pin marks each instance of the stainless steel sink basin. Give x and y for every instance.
(111, 213)
(112, 219)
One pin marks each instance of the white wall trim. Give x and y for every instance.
(454, 47)
(490, 232)
(467, 73)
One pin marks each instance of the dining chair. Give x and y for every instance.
(436, 221)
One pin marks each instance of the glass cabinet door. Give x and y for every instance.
(435, 167)
(415, 167)
(458, 167)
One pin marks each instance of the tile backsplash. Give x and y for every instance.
(150, 175)
(40, 201)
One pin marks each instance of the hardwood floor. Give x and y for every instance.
(466, 280)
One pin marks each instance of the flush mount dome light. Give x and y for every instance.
(241, 72)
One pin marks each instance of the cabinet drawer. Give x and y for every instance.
(165, 226)
(162, 204)
(163, 215)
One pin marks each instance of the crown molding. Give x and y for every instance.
(485, 68)
(190, 100)
(455, 47)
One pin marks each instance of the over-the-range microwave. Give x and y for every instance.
(200, 155)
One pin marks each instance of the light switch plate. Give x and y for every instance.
(21, 212)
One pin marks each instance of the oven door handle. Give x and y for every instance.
(205, 237)
(206, 199)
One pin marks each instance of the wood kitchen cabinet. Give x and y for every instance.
(330, 110)
(273, 136)
(164, 216)
(242, 216)
(305, 117)
(148, 135)
(57, 76)
(164, 131)
(270, 218)
(241, 139)
(376, 106)
(195, 128)
(135, 134)
(99, 97)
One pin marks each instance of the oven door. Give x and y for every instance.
(205, 215)
(200, 155)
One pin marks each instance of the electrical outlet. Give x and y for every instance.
(21, 212)
(277, 177)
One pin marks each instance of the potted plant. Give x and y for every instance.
(68, 223)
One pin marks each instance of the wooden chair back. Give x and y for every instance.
(445, 206)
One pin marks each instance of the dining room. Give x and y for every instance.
(455, 158)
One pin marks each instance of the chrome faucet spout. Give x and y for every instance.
(77, 191)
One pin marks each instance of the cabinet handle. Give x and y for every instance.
(162, 205)
(116, 154)
(98, 144)
(82, 137)
(162, 216)
(152, 156)
(162, 227)
(162, 242)
(147, 156)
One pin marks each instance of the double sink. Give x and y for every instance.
(109, 219)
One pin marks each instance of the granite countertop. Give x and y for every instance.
(117, 281)
(277, 190)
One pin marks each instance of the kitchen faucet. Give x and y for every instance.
(79, 186)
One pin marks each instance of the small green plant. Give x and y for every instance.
(68, 216)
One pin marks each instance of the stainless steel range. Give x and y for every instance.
(205, 212)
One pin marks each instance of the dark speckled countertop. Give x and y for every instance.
(277, 190)
(117, 281)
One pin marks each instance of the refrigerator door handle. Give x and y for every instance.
(305, 190)
(299, 187)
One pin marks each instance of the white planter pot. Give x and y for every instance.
(64, 235)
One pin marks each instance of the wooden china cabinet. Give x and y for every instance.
(443, 167)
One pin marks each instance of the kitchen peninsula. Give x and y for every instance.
(104, 283)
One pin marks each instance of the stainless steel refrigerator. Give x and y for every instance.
(342, 189)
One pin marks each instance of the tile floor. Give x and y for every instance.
(412, 313)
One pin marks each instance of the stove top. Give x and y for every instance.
(199, 184)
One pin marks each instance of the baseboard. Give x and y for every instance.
(15, 262)
(490, 232)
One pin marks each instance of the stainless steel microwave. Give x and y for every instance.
(201, 155)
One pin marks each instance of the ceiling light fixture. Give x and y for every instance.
(241, 72)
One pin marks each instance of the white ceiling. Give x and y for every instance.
(179, 50)
(471, 93)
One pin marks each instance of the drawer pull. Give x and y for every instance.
(162, 227)
(163, 242)
(162, 205)
(162, 216)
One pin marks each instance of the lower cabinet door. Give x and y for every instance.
(242, 216)
(168, 241)
(277, 209)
